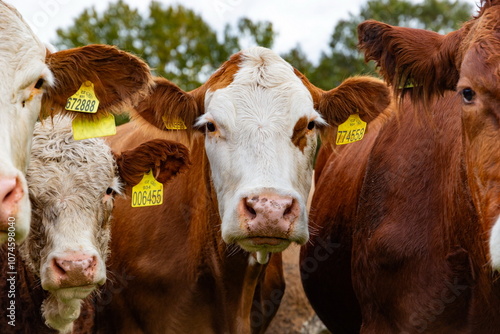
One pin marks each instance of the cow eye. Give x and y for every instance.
(468, 95)
(311, 125)
(210, 127)
(39, 83)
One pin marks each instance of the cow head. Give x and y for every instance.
(261, 119)
(33, 79)
(71, 185)
(468, 61)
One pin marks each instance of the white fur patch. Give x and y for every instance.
(495, 245)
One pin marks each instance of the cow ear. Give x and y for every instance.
(168, 104)
(165, 158)
(365, 95)
(120, 79)
(424, 60)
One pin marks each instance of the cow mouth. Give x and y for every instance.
(76, 292)
(263, 243)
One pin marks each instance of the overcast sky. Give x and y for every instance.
(308, 22)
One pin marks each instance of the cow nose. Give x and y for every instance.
(75, 270)
(269, 216)
(11, 192)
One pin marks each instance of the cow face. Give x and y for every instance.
(467, 61)
(23, 79)
(72, 184)
(35, 80)
(479, 88)
(261, 119)
(260, 141)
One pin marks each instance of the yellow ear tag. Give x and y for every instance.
(148, 192)
(176, 124)
(84, 100)
(84, 128)
(351, 130)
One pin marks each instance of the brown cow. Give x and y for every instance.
(32, 80)
(72, 185)
(202, 263)
(416, 225)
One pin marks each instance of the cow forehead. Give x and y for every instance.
(481, 62)
(75, 168)
(264, 90)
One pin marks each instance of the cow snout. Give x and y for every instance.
(11, 193)
(269, 218)
(74, 271)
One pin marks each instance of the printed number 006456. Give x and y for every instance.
(81, 104)
(146, 197)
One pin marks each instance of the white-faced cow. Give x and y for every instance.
(32, 79)
(414, 241)
(71, 185)
(199, 263)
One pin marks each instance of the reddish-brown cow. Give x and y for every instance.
(415, 226)
(197, 264)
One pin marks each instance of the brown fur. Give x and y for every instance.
(413, 224)
(120, 79)
(207, 280)
(170, 102)
(29, 295)
(175, 251)
(337, 104)
(165, 158)
(299, 133)
(422, 69)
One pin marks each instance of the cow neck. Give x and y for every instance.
(232, 272)
(484, 181)
(484, 184)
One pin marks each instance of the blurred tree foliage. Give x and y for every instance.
(342, 59)
(174, 40)
(179, 45)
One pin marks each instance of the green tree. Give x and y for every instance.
(298, 58)
(175, 41)
(343, 59)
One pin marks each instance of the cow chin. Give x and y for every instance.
(77, 292)
(263, 244)
(60, 313)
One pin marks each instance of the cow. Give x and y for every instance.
(413, 238)
(209, 261)
(34, 79)
(72, 185)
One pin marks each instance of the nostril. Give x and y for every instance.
(288, 209)
(58, 267)
(292, 210)
(249, 210)
(11, 191)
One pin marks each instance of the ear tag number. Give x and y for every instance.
(84, 100)
(84, 128)
(351, 130)
(148, 192)
(175, 124)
